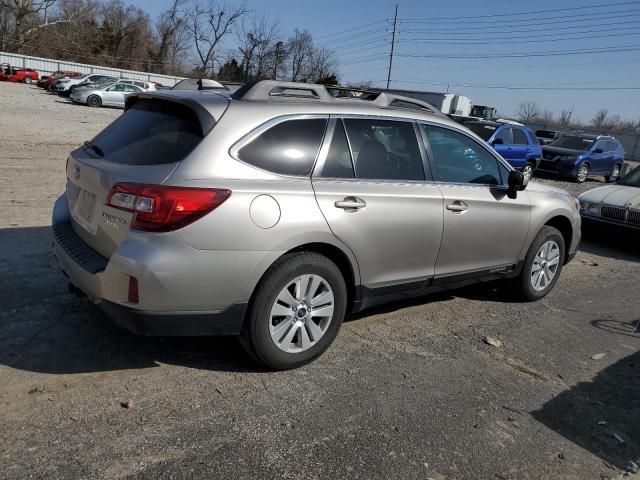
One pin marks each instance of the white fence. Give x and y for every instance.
(46, 66)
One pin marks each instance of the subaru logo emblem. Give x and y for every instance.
(76, 171)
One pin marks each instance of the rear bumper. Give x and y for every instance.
(174, 301)
(227, 321)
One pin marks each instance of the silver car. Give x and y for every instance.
(110, 95)
(275, 212)
(614, 205)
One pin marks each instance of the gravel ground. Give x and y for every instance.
(410, 390)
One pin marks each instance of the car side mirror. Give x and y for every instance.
(517, 182)
(598, 150)
(497, 141)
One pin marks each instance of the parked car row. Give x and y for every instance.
(94, 90)
(570, 155)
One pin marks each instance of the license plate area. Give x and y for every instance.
(82, 204)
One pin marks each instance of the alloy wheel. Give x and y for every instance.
(545, 265)
(301, 313)
(583, 172)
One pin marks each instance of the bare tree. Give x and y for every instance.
(300, 50)
(547, 117)
(528, 112)
(170, 28)
(565, 117)
(29, 16)
(208, 24)
(259, 47)
(322, 65)
(600, 118)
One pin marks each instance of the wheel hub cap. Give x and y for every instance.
(545, 265)
(301, 313)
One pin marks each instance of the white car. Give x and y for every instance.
(64, 85)
(613, 205)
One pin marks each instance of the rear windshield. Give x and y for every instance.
(574, 143)
(483, 131)
(151, 132)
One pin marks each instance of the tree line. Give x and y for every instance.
(189, 38)
(530, 112)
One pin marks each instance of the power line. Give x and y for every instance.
(351, 29)
(515, 24)
(617, 48)
(583, 7)
(533, 19)
(511, 87)
(369, 33)
(514, 40)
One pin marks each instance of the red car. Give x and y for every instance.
(14, 74)
(47, 80)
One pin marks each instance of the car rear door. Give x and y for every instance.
(484, 230)
(376, 192)
(520, 148)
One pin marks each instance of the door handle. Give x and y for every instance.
(457, 207)
(351, 203)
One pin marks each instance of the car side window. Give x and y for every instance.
(519, 137)
(601, 145)
(504, 134)
(288, 148)
(338, 163)
(457, 158)
(384, 149)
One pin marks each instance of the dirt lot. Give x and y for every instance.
(407, 391)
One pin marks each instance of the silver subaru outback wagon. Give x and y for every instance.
(275, 212)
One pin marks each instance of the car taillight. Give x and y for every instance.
(159, 208)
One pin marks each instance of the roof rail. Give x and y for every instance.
(293, 91)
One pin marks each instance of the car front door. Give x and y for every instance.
(520, 148)
(376, 192)
(484, 230)
(502, 142)
(599, 157)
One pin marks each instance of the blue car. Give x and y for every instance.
(580, 155)
(516, 143)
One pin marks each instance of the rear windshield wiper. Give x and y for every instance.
(94, 147)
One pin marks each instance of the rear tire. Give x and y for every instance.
(94, 101)
(582, 173)
(615, 173)
(276, 332)
(542, 265)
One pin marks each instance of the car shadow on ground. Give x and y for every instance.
(45, 329)
(601, 416)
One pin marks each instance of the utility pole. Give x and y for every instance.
(393, 44)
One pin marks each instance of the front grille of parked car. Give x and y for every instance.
(615, 213)
(634, 217)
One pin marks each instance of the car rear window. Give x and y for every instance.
(288, 148)
(151, 132)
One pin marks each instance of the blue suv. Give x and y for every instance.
(580, 155)
(516, 143)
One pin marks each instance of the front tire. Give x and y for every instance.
(27, 80)
(542, 265)
(296, 311)
(94, 101)
(582, 173)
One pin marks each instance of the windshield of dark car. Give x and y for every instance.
(631, 179)
(573, 143)
(482, 130)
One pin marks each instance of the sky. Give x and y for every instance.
(479, 47)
